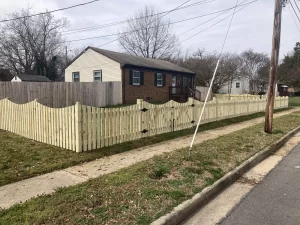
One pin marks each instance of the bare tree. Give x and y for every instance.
(253, 63)
(150, 36)
(204, 63)
(32, 44)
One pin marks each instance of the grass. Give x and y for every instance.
(294, 101)
(142, 193)
(22, 158)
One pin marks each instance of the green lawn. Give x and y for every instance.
(142, 193)
(22, 158)
(294, 101)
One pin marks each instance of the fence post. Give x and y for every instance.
(192, 105)
(234, 109)
(140, 104)
(36, 121)
(78, 126)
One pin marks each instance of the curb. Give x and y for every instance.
(187, 208)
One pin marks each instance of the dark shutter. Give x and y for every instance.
(142, 78)
(130, 77)
(155, 79)
(164, 80)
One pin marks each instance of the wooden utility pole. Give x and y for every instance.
(274, 65)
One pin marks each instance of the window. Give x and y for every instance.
(159, 79)
(187, 81)
(76, 77)
(136, 77)
(237, 85)
(98, 75)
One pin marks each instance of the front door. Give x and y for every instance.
(174, 83)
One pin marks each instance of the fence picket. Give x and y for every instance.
(83, 128)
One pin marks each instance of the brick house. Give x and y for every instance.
(142, 78)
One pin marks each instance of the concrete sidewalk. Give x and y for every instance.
(48, 183)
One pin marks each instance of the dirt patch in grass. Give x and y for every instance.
(22, 158)
(142, 193)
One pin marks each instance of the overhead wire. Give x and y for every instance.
(215, 23)
(297, 5)
(294, 18)
(56, 10)
(149, 23)
(191, 36)
(295, 11)
(180, 21)
(67, 32)
(240, 5)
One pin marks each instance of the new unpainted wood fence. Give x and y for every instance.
(63, 94)
(84, 128)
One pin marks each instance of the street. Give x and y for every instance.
(276, 200)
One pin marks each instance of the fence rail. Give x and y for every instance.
(84, 128)
(63, 94)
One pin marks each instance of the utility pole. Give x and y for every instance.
(279, 4)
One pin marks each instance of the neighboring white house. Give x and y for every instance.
(239, 86)
(91, 66)
(30, 78)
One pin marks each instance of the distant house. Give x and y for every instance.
(5, 75)
(243, 85)
(238, 86)
(30, 78)
(142, 78)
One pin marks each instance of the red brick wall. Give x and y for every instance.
(148, 91)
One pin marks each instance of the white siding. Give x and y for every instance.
(16, 79)
(90, 61)
(243, 89)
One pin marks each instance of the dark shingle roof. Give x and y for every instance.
(33, 78)
(126, 59)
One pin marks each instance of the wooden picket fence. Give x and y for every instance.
(83, 128)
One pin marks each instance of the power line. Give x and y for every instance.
(294, 18)
(56, 10)
(124, 21)
(297, 5)
(149, 23)
(214, 17)
(237, 2)
(180, 21)
(295, 11)
(78, 67)
(217, 22)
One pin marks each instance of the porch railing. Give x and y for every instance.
(183, 93)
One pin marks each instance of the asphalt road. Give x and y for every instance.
(276, 200)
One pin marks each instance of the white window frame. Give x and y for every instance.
(73, 78)
(159, 79)
(238, 83)
(96, 71)
(136, 75)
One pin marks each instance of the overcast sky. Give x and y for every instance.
(251, 28)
